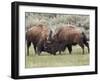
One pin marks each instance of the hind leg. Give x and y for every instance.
(28, 45)
(87, 45)
(82, 46)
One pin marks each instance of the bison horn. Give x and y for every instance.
(50, 35)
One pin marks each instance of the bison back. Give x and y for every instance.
(69, 35)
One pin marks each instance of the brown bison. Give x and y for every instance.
(37, 35)
(66, 37)
(53, 47)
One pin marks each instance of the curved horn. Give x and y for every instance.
(50, 35)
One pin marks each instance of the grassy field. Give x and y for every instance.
(65, 59)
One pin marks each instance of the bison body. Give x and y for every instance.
(66, 37)
(37, 35)
(71, 36)
(43, 40)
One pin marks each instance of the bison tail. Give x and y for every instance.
(84, 37)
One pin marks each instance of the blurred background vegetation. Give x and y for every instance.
(54, 21)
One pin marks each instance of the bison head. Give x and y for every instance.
(52, 45)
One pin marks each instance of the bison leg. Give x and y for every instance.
(34, 48)
(28, 45)
(39, 47)
(54, 53)
(87, 45)
(69, 48)
(82, 46)
(59, 52)
(38, 50)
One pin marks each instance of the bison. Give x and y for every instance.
(37, 35)
(52, 47)
(66, 37)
